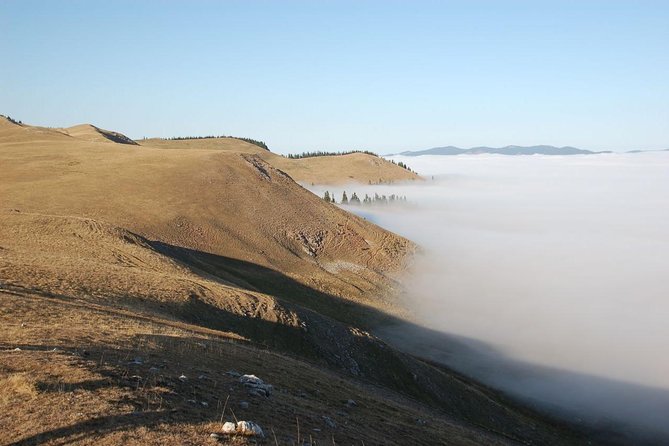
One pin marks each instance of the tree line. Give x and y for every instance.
(402, 165)
(260, 144)
(368, 200)
(325, 153)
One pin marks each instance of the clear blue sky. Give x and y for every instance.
(380, 75)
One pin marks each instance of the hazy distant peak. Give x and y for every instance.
(507, 150)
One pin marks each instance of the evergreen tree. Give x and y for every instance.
(354, 199)
(326, 196)
(344, 198)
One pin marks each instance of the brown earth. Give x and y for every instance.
(199, 261)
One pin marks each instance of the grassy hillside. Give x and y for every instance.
(341, 169)
(140, 265)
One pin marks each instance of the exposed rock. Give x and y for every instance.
(256, 386)
(183, 378)
(351, 403)
(229, 427)
(247, 428)
(244, 405)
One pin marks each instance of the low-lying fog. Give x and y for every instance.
(550, 272)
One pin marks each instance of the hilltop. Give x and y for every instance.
(89, 132)
(355, 167)
(138, 281)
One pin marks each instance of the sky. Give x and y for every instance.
(386, 76)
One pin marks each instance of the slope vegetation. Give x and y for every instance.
(153, 271)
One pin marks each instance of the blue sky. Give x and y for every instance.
(379, 75)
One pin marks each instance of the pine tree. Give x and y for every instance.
(344, 198)
(354, 199)
(326, 196)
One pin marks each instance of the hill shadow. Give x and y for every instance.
(470, 371)
(253, 277)
(608, 410)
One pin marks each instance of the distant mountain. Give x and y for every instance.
(449, 150)
(508, 150)
(644, 151)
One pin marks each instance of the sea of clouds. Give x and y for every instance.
(550, 274)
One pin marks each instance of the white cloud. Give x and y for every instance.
(559, 262)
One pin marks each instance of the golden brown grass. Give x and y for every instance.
(200, 260)
(88, 391)
(15, 387)
(352, 168)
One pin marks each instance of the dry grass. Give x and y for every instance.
(88, 390)
(200, 261)
(17, 387)
(352, 168)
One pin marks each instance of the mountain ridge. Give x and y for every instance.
(506, 150)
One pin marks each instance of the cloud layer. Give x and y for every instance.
(553, 270)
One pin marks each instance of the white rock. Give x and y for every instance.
(251, 379)
(249, 428)
(183, 378)
(256, 385)
(229, 427)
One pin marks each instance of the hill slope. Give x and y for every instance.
(199, 261)
(341, 169)
(91, 133)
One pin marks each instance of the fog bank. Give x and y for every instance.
(552, 271)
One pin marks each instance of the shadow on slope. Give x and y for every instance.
(328, 338)
(253, 277)
(149, 402)
(607, 410)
